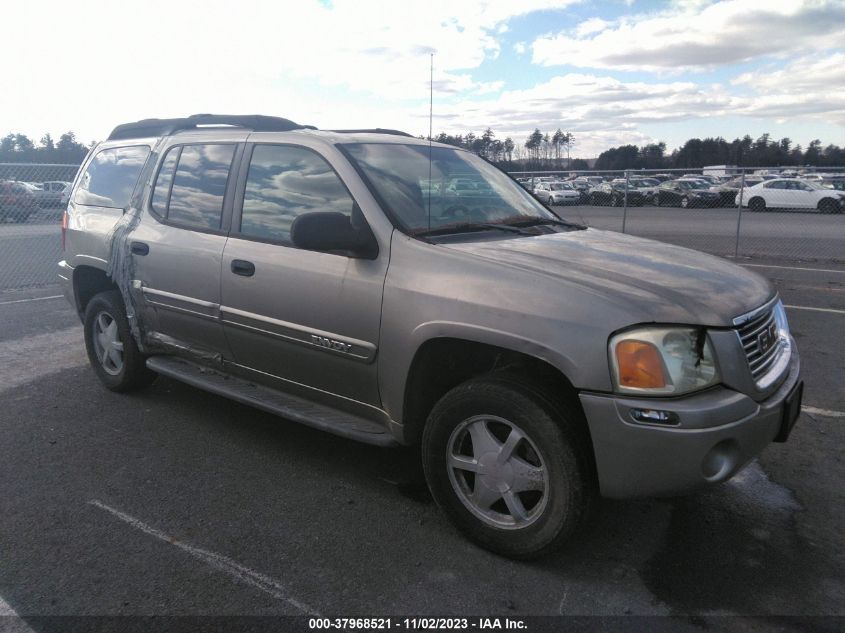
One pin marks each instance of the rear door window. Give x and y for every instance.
(111, 176)
(191, 185)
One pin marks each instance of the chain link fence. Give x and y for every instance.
(775, 213)
(32, 200)
(761, 213)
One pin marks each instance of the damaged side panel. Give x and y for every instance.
(169, 278)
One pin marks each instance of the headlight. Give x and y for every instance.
(662, 361)
(781, 322)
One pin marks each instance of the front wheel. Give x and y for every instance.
(828, 205)
(112, 351)
(508, 466)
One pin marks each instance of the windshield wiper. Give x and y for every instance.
(516, 223)
(467, 227)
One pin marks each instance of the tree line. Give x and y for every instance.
(19, 148)
(539, 151)
(544, 151)
(744, 152)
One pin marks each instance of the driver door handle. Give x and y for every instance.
(243, 268)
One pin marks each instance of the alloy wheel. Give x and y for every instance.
(107, 344)
(497, 472)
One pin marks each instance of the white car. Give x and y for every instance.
(792, 193)
(557, 193)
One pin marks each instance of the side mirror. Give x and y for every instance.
(331, 231)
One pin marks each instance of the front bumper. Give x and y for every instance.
(719, 432)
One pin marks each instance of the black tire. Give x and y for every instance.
(557, 436)
(133, 373)
(757, 204)
(656, 200)
(829, 205)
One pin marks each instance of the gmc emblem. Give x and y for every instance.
(767, 338)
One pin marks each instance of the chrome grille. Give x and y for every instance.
(760, 341)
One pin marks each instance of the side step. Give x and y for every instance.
(284, 405)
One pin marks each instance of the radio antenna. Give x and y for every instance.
(430, 132)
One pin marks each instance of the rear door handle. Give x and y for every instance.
(140, 248)
(243, 268)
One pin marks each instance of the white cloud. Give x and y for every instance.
(100, 61)
(593, 25)
(600, 111)
(699, 35)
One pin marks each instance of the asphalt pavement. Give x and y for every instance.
(172, 501)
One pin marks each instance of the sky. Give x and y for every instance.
(610, 72)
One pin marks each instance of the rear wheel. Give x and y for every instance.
(829, 205)
(112, 351)
(757, 204)
(507, 466)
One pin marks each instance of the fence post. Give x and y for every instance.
(739, 213)
(625, 201)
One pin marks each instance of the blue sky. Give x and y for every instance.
(610, 72)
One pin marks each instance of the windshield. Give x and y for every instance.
(462, 188)
(561, 186)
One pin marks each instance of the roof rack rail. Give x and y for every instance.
(376, 130)
(163, 127)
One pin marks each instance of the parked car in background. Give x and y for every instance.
(557, 193)
(583, 187)
(792, 193)
(51, 192)
(646, 186)
(728, 191)
(710, 180)
(685, 193)
(17, 201)
(614, 194)
(834, 183)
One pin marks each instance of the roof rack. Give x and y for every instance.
(376, 130)
(163, 127)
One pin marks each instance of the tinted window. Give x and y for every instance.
(199, 184)
(285, 182)
(777, 184)
(161, 192)
(111, 176)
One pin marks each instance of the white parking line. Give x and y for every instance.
(825, 413)
(815, 270)
(831, 310)
(217, 561)
(18, 625)
(5, 303)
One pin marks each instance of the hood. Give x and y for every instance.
(651, 281)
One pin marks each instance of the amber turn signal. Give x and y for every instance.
(640, 365)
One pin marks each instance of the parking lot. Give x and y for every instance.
(175, 502)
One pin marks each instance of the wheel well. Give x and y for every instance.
(88, 282)
(443, 363)
(825, 201)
